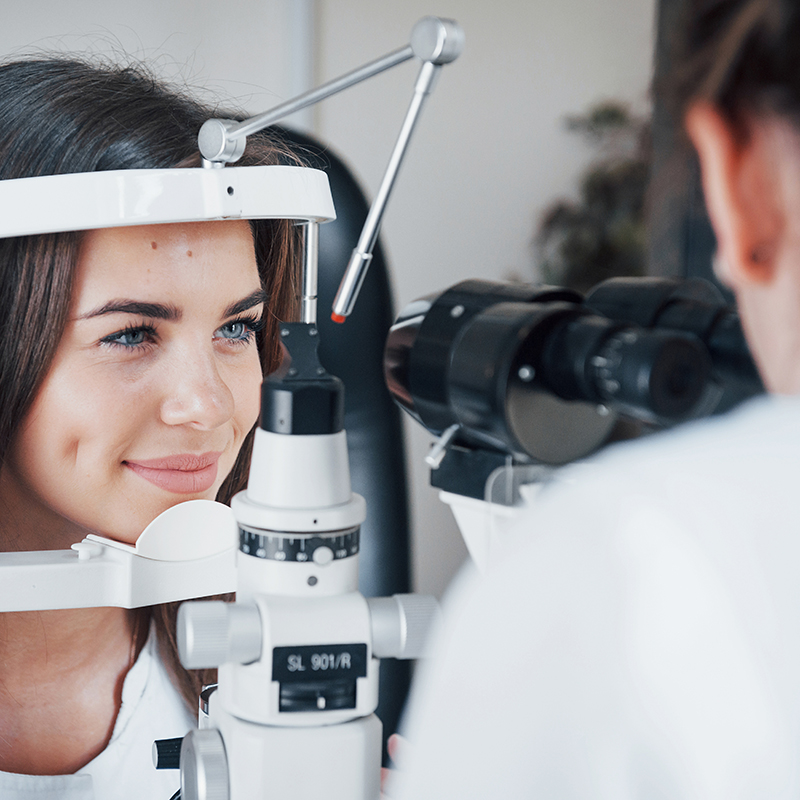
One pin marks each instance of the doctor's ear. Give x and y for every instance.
(743, 188)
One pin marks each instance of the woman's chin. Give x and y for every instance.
(130, 532)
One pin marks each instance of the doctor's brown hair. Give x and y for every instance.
(743, 56)
(62, 115)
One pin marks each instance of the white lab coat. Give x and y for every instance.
(642, 637)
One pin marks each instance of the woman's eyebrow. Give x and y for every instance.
(253, 299)
(167, 312)
(152, 310)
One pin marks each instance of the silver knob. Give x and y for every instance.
(401, 624)
(214, 143)
(211, 633)
(437, 40)
(204, 766)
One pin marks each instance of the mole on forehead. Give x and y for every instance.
(154, 245)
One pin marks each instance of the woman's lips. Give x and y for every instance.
(184, 473)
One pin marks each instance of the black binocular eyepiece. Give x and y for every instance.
(542, 373)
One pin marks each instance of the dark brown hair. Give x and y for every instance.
(62, 115)
(741, 55)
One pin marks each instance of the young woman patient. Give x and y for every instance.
(130, 368)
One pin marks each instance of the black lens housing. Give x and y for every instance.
(693, 306)
(532, 372)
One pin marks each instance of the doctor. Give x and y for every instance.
(643, 640)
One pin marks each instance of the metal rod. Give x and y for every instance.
(362, 255)
(308, 301)
(272, 116)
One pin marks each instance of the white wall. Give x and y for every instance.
(242, 49)
(489, 155)
(490, 152)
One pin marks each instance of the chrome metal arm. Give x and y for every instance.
(362, 255)
(217, 139)
(433, 40)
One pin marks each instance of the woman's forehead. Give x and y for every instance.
(139, 239)
(209, 261)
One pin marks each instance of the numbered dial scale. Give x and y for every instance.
(300, 548)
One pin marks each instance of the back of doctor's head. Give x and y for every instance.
(64, 115)
(741, 55)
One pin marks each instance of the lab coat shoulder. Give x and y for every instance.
(638, 637)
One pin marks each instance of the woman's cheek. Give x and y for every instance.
(250, 395)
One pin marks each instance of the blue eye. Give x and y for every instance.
(235, 330)
(132, 337)
(239, 330)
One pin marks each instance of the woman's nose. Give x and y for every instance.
(196, 394)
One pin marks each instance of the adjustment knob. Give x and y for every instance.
(204, 766)
(401, 624)
(437, 40)
(214, 144)
(322, 556)
(211, 633)
(167, 753)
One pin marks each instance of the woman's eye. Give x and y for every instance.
(235, 330)
(239, 330)
(130, 337)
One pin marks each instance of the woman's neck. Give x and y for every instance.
(61, 676)
(61, 671)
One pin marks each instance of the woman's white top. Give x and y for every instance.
(641, 640)
(151, 709)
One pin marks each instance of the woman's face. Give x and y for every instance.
(154, 385)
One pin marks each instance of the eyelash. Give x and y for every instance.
(253, 325)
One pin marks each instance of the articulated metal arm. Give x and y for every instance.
(433, 40)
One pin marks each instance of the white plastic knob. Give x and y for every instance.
(211, 633)
(401, 624)
(204, 766)
(323, 556)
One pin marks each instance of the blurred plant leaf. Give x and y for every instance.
(603, 235)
